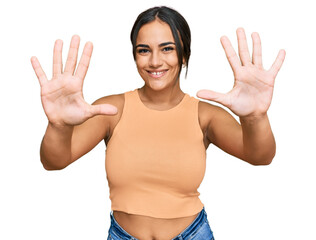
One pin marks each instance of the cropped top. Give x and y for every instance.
(155, 160)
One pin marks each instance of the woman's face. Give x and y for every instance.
(156, 55)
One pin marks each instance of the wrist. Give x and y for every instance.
(59, 127)
(253, 118)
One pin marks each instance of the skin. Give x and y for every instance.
(156, 53)
(75, 126)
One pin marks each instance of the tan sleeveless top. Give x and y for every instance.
(155, 160)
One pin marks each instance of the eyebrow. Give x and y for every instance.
(160, 45)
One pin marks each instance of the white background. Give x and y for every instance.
(242, 201)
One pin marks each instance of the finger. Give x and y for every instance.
(72, 55)
(257, 50)
(84, 61)
(243, 47)
(275, 68)
(57, 58)
(39, 71)
(230, 53)
(102, 109)
(213, 96)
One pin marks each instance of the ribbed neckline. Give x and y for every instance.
(136, 92)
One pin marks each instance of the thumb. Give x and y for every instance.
(102, 109)
(213, 96)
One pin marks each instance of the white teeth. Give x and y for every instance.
(156, 73)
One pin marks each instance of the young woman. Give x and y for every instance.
(157, 135)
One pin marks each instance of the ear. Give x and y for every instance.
(184, 64)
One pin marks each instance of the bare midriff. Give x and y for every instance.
(149, 228)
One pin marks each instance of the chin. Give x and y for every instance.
(157, 86)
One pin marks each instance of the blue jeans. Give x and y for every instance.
(199, 229)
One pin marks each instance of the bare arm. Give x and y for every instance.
(55, 150)
(258, 140)
(62, 146)
(72, 121)
(252, 140)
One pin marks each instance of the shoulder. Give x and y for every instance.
(212, 116)
(117, 100)
(208, 111)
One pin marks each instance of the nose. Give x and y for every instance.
(155, 59)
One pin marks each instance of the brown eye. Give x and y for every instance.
(142, 51)
(167, 49)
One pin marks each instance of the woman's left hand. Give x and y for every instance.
(253, 85)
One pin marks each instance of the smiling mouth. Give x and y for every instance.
(157, 74)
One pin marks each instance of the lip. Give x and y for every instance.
(160, 73)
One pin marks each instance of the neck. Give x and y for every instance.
(168, 97)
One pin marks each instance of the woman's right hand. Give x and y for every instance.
(62, 96)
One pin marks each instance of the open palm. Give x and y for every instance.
(62, 96)
(253, 85)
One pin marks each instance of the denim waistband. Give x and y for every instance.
(119, 230)
(198, 221)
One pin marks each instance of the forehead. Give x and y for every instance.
(155, 32)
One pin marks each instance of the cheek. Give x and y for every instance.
(172, 60)
(141, 68)
(140, 63)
